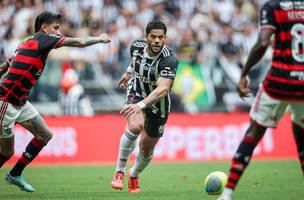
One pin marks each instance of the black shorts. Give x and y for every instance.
(154, 124)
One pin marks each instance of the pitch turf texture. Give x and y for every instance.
(279, 180)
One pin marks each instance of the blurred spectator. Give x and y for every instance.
(72, 97)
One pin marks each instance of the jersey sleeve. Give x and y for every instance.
(137, 45)
(267, 20)
(49, 42)
(168, 67)
(132, 48)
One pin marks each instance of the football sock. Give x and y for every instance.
(3, 160)
(31, 151)
(227, 192)
(126, 147)
(301, 157)
(140, 164)
(240, 161)
(299, 139)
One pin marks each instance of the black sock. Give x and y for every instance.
(240, 161)
(3, 160)
(299, 139)
(31, 151)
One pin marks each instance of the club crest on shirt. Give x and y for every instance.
(288, 5)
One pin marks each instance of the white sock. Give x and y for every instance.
(126, 147)
(140, 164)
(227, 192)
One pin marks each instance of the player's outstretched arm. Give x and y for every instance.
(84, 42)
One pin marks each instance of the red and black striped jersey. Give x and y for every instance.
(26, 67)
(285, 79)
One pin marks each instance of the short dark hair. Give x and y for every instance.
(46, 18)
(156, 24)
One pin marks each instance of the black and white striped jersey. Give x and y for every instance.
(146, 72)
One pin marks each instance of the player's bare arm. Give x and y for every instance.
(162, 90)
(4, 67)
(256, 53)
(123, 82)
(84, 42)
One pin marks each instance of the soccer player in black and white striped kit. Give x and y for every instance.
(148, 81)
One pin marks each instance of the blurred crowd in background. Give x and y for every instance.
(212, 39)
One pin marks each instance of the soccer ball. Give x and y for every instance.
(215, 182)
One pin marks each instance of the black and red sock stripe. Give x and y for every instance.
(301, 158)
(299, 139)
(31, 151)
(240, 161)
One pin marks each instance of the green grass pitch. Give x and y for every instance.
(279, 180)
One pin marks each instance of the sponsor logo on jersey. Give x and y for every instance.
(288, 5)
(167, 73)
(297, 74)
(298, 4)
(144, 79)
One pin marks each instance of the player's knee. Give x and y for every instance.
(45, 137)
(135, 127)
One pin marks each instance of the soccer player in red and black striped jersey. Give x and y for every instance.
(282, 87)
(23, 70)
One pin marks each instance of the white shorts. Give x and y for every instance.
(9, 114)
(268, 111)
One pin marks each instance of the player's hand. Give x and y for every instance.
(129, 110)
(242, 88)
(123, 82)
(104, 38)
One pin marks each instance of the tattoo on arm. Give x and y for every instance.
(159, 92)
(80, 42)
